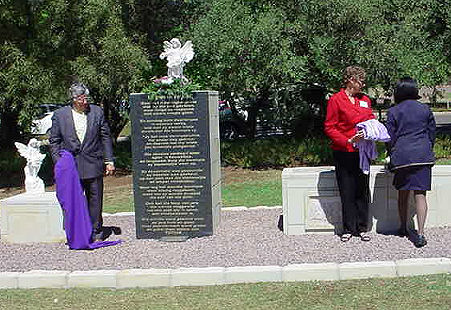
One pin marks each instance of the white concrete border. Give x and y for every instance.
(219, 275)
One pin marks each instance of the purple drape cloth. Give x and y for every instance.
(373, 131)
(69, 192)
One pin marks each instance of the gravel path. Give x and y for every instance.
(245, 238)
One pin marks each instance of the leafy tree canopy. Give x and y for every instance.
(255, 49)
(262, 52)
(50, 43)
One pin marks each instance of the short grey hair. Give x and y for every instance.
(355, 72)
(77, 89)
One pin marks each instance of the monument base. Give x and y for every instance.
(312, 204)
(27, 218)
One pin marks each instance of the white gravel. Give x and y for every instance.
(244, 238)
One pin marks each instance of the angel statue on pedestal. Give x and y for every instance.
(177, 56)
(34, 157)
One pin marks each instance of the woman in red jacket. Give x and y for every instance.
(345, 110)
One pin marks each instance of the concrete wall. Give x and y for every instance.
(311, 200)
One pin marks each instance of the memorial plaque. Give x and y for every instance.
(323, 212)
(176, 166)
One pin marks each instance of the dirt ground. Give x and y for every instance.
(124, 179)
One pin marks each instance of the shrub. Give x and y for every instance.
(123, 155)
(11, 168)
(442, 147)
(276, 152)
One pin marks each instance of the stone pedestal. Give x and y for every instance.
(29, 218)
(311, 200)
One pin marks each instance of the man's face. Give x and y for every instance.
(81, 103)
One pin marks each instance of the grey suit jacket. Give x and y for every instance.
(96, 147)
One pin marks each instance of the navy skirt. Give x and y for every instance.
(413, 178)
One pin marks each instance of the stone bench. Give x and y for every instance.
(311, 200)
(29, 218)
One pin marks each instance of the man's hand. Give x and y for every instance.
(110, 169)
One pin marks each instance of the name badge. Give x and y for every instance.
(363, 104)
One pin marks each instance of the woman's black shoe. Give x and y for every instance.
(421, 241)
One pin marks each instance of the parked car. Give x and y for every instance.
(42, 124)
(232, 122)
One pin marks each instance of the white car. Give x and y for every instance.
(42, 124)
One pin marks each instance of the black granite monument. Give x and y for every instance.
(176, 166)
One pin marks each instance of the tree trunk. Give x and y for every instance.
(261, 102)
(116, 120)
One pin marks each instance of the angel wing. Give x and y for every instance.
(167, 49)
(24, 151)
(187, 52)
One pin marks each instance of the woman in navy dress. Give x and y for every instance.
(411, 126)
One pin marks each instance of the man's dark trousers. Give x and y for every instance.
(93, 189)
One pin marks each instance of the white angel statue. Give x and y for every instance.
(177, 56)
(34, 157)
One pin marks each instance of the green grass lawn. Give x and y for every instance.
(424, 292)
(250, 194)
(119, 204)
(239, 188)
(443, 161)
(126, 131)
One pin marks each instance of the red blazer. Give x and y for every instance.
(342, 117)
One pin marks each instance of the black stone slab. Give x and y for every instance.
(171, 167)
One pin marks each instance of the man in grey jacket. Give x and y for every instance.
(82, 130)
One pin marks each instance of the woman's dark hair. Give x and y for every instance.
(405, 89)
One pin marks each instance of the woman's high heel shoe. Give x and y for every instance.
(421, 241)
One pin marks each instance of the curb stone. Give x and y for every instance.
(197, 276)
(43, 279)
(143, 278)
(9, 280)
(311, 272)
(422, 266)
(365, 270)
(220, 275)
(93, 278)
(253, 274)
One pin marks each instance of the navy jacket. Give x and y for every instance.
(411, 126)
(96, 147)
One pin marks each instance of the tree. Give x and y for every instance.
(23, 79)
(268, 51)
(390, 39)
(48, 44)
(151, 22)
(108, 61)
(242, 50)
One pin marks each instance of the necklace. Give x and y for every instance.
(349, 95)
